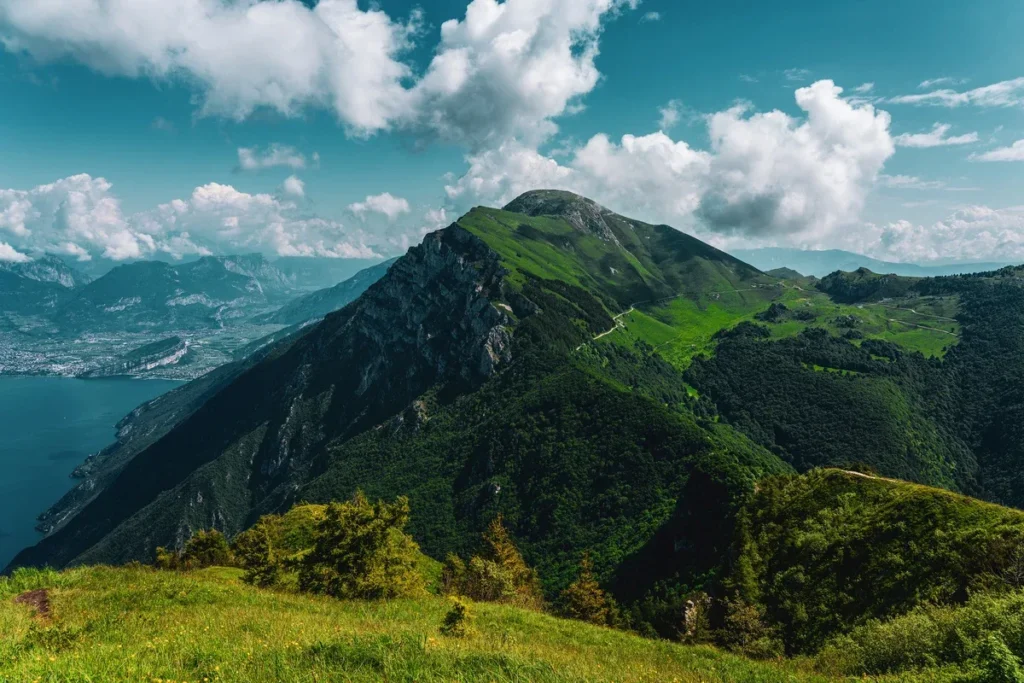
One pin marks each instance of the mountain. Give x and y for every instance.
(313, 273)
(821, 263)
(321, 302)
(37, 286)
(156, 296)
(451, 379)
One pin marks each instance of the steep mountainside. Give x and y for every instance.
(151, 295)
(323, 301)
(464, 351)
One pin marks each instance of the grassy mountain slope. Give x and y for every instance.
(138, 624)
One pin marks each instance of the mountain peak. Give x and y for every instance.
(584, 214)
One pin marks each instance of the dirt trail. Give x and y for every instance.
(38, 600)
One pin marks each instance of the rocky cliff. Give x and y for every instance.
(431, 323)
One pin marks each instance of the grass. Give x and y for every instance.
(683, 328)
(138, 624)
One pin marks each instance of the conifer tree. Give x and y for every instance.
(584, 599)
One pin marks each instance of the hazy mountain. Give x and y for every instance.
(37, 286)
(821, 263)
(321, 302)
(152, 295)
(313, 273)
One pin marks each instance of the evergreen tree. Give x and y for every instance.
(584, 599)
(362, 552)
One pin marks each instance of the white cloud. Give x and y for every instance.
(650, 16)
(1014, 152)
(385, 204)
(294, 186)
(774, 175)
(907, 182)
(508, 69)
(864, 88)
(670, 114)
(505, 69)
(76, 215)
(1003, 94)
(9, 254)
(935, 138)
(971, 233)
(766, 175)
(944, 80)
(79, 216)
(797, 74)
(747, 78)
(253, 159)
(240, 56)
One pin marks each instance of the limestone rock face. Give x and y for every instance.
(584, 214)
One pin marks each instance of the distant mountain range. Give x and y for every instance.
(323, 301)
(155, 318)
(822, 263)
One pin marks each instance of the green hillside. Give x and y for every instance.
(114, 625)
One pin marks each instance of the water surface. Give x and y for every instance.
(48, 425)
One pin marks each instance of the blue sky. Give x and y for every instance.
(124, 126)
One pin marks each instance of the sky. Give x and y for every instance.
(135, 129)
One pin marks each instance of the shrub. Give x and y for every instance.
(255, 552)
(207, 549)
(997, 664)
(457, 622)
(498, 574)
(204, 549)
(747, 632)
(583, 599)
(361, 551)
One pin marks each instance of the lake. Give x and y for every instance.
(48, 425)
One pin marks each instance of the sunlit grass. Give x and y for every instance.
(137, 624)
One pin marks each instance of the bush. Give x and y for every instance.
(583, 599)
(498, 574)
(361, 551)
(255, 552)
(997, 664)
(457, 623)
(204, 549)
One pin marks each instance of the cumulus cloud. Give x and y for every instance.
(507, 69)
(767, 175)
(504, 69)
(972, 233)
(1014, 152)
(1008, 93)
(294, 186)
(254, 159)
(864, 88)
(774, 175)
(9, 254)
(240, 56)
(936, 137)
(80, 217)
(384, 204)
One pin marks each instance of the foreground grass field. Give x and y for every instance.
(138, 624)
